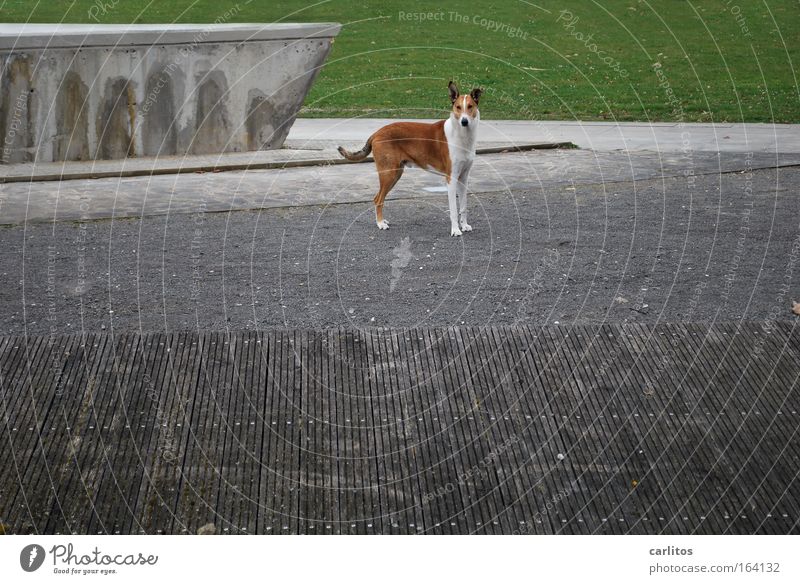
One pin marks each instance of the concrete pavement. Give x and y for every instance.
(313, 142)
(310, 171)
(406, 345)
(598, 136)
(560, 236)
(537, 171)
(311, 153)
(704, 248)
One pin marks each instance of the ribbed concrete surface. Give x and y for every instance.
(605, 429)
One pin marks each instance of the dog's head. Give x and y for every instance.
(465, 107)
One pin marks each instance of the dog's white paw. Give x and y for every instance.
(455, 232)
(466, 227)
(383, 225)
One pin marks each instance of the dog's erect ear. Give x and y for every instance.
(453, 91)
(476, 94)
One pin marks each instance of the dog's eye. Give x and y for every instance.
(458, 107)
(470, 106)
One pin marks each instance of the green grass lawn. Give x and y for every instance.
(657, 60)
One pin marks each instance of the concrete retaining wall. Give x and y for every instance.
(79, 92)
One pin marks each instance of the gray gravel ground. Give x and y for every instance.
(715, 247)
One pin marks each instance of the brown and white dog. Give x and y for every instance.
(445, 147)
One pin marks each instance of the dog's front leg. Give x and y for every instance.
(462, 199)
(452, 200)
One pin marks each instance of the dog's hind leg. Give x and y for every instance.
(388, 178)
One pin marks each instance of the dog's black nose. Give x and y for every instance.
(464, 122)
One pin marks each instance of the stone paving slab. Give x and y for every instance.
(309, 154)
(56, 171)
(347, 183)
(313, 141)
(599, 136)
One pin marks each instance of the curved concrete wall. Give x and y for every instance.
(78, 92)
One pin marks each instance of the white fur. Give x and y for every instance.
(461, 146)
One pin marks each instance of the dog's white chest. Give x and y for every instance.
(460, 144)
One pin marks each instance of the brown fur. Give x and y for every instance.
(360, 155)
(396, 145)
(402, 143)
(465, 104)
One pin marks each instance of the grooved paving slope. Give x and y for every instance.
(593, 429)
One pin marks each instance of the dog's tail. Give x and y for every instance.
(360, 155)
